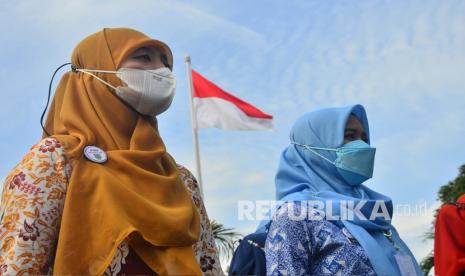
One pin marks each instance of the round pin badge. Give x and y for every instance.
(95, 154)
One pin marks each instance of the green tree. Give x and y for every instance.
(447, 193)
(225, 239)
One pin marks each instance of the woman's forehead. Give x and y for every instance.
(148, 49)
(354, 122)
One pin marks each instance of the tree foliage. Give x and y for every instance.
(225, 239)
(447, 193)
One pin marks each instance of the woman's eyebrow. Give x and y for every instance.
(350, 130)
(355, 130)
(141, 51)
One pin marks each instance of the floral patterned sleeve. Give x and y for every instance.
(31, 207)
(205, 249)
(288, 245)
(312, 247)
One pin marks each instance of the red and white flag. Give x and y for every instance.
(216, 108)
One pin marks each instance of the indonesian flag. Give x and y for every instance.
(216, 108)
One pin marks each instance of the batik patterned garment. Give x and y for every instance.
(31, 209)
(312, 247)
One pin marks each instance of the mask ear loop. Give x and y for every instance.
(312, 149)
(88, 72)
(73, 68)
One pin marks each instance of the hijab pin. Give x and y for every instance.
(95, 154)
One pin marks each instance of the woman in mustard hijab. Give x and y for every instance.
(100, 195)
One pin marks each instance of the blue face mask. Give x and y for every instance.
(354, 162)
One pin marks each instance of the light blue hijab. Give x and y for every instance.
(302, 175)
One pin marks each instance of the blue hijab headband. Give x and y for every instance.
(305, 176)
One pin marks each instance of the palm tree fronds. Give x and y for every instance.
(225, 239)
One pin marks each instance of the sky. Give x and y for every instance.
(403, 60)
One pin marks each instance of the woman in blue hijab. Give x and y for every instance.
(330, 223)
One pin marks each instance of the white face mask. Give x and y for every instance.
(150, 92)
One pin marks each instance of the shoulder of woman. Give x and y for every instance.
(42, 156)
(188, 178)
(50, 147)
(191, 184)
(288, 218)
(299, 214)
(32, 199)
(185, 171)
(45, 156)
(48, 154)
(450, 214)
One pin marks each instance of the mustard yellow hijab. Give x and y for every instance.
(137, 194)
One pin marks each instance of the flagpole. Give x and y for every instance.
(194, 124)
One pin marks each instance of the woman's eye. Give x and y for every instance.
(143, 58)
(349, 136)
